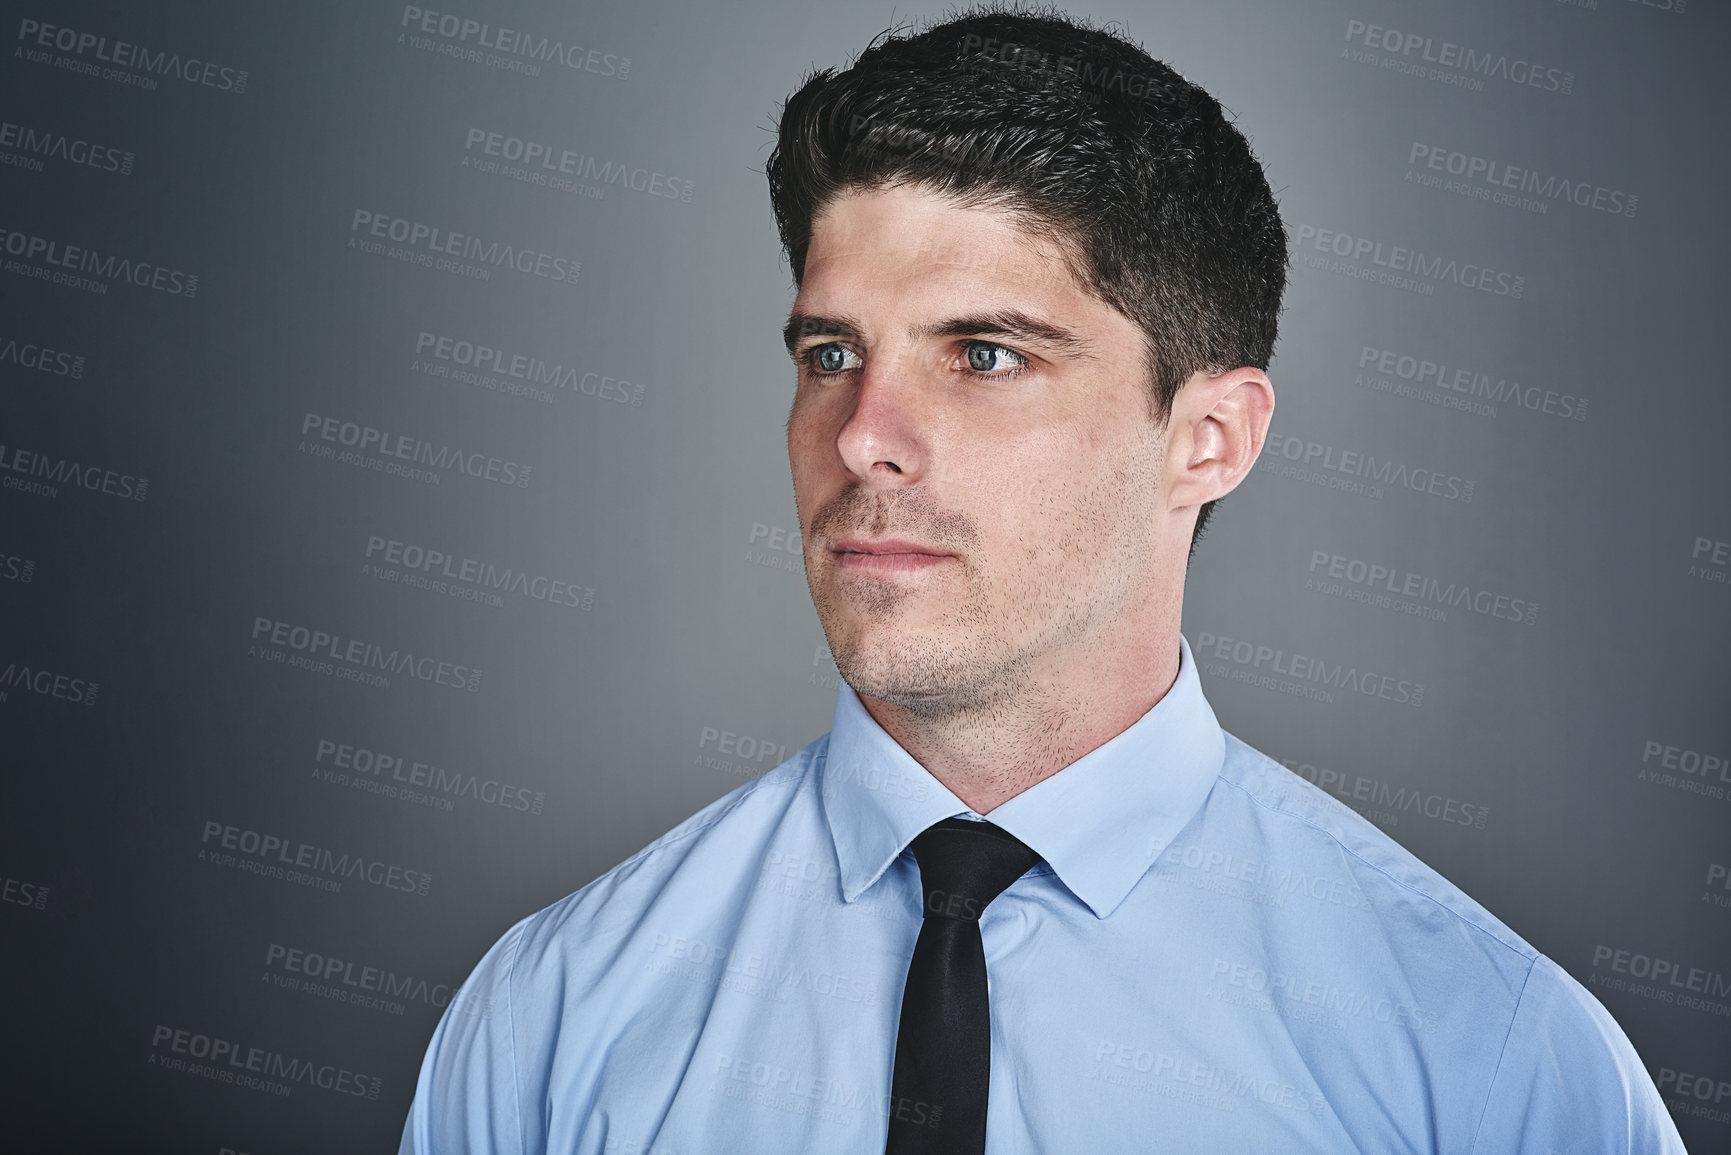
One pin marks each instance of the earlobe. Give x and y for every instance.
(1219, 424)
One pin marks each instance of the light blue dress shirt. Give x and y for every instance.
(1215, 956)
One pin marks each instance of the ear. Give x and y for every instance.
(1216, 431)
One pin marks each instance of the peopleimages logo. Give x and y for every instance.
(314, 972)
(257, 1068)
(824, 672)
(21, 893)
(512, 49)
(1198, 1082)
(34, 472)
(81, 267)
(1355, 471)
(1267, 883)
(1398, 266)
(562, 169)
(23, 678)
(38, 357)
(397, 776)
(465, 577)
(1293, 996)
(1384, 586)
(27, 147)
(1425, 57)
(1718, 885)
(435, 247)
(280, 857)
(755, 755)
(817, 1097)
(507, 371)
(1691, 771)
(1515, 186)
(1272, 668)
(355, 659)
(1660, 979)
(733, 966)
(1419, 376)
(1384, 803)
(136, 64)
(1702, 1096)
(1710, 560)
(359, 441)
(774, 547)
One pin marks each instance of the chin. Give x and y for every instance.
(902, 668)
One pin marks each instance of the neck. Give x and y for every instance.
(987, 753)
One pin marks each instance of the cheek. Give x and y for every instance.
(807, 448)
(1090, 516)
(814, 420)
(817, 475)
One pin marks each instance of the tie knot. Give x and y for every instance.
(965, 864)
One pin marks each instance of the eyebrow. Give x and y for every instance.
(1011, 323)
(802, 325)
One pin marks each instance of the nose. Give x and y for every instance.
(881, 442)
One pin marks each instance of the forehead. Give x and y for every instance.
(915, 241)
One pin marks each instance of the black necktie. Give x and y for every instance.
(944, 1045)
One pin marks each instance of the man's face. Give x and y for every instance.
(960, 393)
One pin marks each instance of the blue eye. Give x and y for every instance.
(832, 358)
(985, 357)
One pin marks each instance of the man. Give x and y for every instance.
(1025, 896)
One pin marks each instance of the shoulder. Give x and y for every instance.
(1569, 1078)
(722, 840)
(1565, 1075)
(494, 1048)
(1300, 819)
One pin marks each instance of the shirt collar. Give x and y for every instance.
(1100, 822)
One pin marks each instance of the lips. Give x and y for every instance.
(888, 558)
(888, 545)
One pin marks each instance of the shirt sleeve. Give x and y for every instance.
(466, 1094)
(1569, 1080)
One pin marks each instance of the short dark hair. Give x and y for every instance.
(1151, 192)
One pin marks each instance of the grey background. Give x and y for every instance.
(673, 504)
